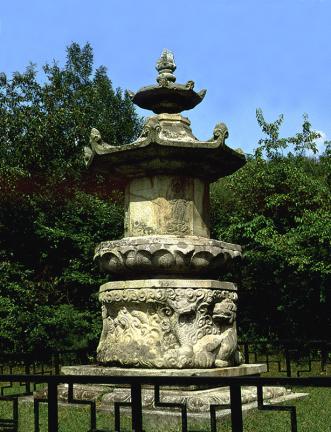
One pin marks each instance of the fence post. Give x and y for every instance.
(246, 353)
(236, 408)
(288, 363)
(137, 421)
(324, 356)
(27, 364)
(15, 414)
(36, 415)
(52, 407)
(56, 360)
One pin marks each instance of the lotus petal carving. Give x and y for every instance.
(165, 255)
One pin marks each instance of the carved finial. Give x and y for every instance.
(88, 155)
(97, 144)
(95, 138)
(167, 96)
(221, 132)
(165, 67)
(95, 141)
(131, 94)
(190, 85)
(202, 93)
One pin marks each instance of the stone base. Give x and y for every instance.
(197, 399)
(169, 324)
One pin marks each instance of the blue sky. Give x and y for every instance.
(273, 54)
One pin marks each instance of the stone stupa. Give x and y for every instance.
(166, 310)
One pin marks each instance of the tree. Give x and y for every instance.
(272, 145)
(52, 212)
(45, 126)
(279, 209)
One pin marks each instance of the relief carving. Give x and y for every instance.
(169, 328)
(141, 228)
(179, 218)
(151, 129)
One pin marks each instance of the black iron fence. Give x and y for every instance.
(136, 383)
(293, 358)
(44, 363)
(20, 374)
(41, 363)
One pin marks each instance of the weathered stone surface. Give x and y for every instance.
(242, 370)
(173, 205)
(169, 283)
(168, 323)
(197, 399)
(166, 146)
(164, 255)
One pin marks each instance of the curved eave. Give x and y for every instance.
(206, 160)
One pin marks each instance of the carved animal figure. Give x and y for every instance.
(224, 315)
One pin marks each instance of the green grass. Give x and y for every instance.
(313, 414)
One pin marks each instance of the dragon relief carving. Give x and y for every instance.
(169, 328)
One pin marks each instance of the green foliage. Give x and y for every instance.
(52, 212)
(272, 145)
(279, 210)
(44, 127)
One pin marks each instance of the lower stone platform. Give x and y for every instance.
(197, 399)
(242, 370)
